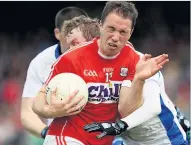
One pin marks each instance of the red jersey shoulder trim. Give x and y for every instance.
(130, 45)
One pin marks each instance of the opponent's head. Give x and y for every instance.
(65, 14)
(117, 23)
(81, 29)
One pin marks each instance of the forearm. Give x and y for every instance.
(151, 106)
(131, 97)
(148, 110)
(29, 119)
(32, 122)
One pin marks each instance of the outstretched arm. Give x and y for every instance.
(151, 106)
(131, 96)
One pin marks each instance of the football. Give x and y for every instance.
(67, 83)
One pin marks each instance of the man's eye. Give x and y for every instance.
(110, 29)
(123, 33)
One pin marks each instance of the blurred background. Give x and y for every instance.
(26, 28)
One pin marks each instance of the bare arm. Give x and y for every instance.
(129, 104)
(151, 106)
(131, 97)
(29, 119)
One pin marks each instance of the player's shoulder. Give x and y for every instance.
(130, 51)
(129, 48)
(43, 57)
(139, 53)
(129, 45)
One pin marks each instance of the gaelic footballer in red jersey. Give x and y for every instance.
(104, 80)
(104, 64)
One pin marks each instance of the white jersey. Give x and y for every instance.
(159, 124)
(39, 70)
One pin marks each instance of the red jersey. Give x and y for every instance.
(103, 77)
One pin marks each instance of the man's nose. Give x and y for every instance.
(115, 37)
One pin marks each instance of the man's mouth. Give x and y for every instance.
(112, 45)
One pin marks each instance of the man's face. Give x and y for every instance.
(74, 38)
(70, 40)
(59, 34)
(63, 41)
(115, 32)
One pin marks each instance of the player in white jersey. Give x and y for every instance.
(39, 70)
(162, 126)
(154, 123)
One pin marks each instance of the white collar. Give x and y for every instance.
(107, 57)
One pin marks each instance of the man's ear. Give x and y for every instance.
(57, 33)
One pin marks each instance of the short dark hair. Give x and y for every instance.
(67, 14)
(124, 9)
(88, 26)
